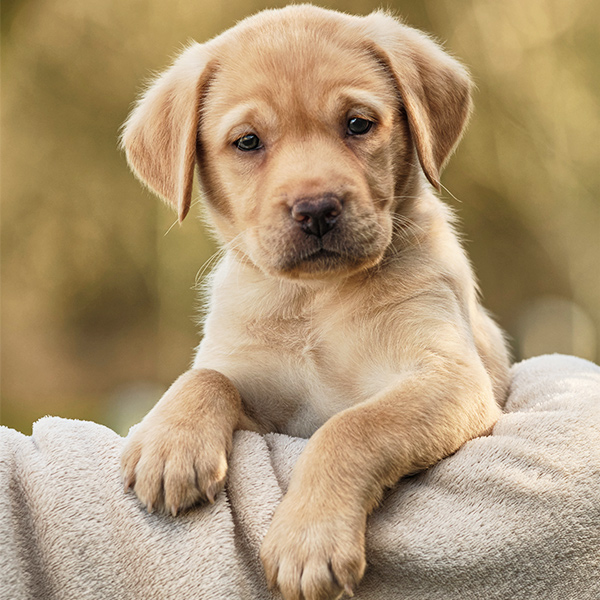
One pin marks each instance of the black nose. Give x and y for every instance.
(317, 215)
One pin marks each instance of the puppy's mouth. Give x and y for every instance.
(322, 254)
(316, 259)
(318, 262)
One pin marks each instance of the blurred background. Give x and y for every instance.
(98, 305)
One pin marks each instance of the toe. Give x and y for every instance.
(318, 582)
(180, 489)
(149, 482)
(347, 570)
(129, 460)
(288, 579)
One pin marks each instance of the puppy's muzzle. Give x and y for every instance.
(317, 215)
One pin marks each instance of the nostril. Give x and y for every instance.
(300, 217)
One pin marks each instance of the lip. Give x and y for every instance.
(319, 260)
(321, 254)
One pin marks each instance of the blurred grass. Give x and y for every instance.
(97, 302)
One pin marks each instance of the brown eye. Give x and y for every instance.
(248, 142)
(358, 126)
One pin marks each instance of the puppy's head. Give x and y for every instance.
(306, 126)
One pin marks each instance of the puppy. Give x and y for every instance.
(344, 309)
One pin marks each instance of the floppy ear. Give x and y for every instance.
(435, 89)
(159, 137)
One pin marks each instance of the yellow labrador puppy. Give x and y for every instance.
(344, 309)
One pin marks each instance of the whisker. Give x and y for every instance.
(177, 220)
(440, 184)
(214, 258)
(167, 231)
(406, 222)
(208, 264)
(451, 194)
(404, 227)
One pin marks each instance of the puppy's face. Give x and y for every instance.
(299, 144)
(306, 126)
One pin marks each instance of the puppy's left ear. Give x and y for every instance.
(160, 135)
(435, 89)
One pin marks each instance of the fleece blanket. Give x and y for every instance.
(514, 515)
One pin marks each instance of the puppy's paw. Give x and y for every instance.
(173, 467)
(313, 555)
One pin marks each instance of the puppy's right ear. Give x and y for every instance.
(160, 135)
(435, 89)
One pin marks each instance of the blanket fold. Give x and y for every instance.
(514, 515)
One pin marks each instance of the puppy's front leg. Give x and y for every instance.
(178, 454)
(314, 548)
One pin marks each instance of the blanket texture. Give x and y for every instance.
(514, 515)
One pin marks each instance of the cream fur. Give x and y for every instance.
(378, 347)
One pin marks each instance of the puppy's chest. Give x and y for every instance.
(313, 352)
(294, 372)
(310, 365)
(294, 335)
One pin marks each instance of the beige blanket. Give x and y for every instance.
(515, 515)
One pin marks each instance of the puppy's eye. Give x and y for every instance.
(358, 126)
(248, 142)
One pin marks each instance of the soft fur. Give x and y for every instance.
(369, 338)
